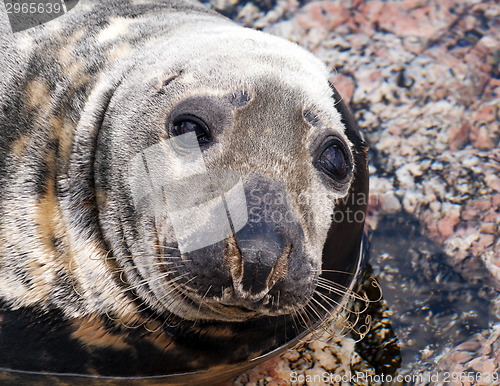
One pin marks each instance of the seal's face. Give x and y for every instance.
(229, 179)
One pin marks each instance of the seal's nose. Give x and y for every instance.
(258, 254)
(262, 259)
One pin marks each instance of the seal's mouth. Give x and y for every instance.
(204, 308)
(238, 290)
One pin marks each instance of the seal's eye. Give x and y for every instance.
(333, 161)
(190, 124)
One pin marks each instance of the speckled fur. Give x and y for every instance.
(82, 94)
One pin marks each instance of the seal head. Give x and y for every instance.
(230, 226)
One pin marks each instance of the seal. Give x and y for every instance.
(180, 195)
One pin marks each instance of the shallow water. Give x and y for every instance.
(432, 305)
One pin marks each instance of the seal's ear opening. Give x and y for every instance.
(342, 249)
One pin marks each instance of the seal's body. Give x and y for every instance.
(168, 188)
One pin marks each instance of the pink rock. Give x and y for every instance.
(485, 113)
(322, 13)
(446, 58)
(488, 227)
(495, 201)
(446, 225)
(496, 259)
(395, 130)
(492, 89)
(459, 137)
(493, 182)
(468, 214)
(371, 9)
(361, 24)
(481, 204)
(407, 17)
(483, 365)
(460, 357)
(492, 215)
(481, 244)
(469, 345)
(485, 136)
(477, 59)
(345, 86)
(369, 81)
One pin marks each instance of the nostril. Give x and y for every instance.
(255, 273)
(233, 259)
(280, 269)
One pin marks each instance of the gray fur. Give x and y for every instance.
(83, 94)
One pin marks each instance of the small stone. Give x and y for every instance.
(292, 355)
(468, 214)
(345, 86)
(470, 345)
(326, 360)
(435, 206)
(315, 375)
(495, 201)
(485, 113)
(389, 203)
(490, 228)
(322, 14)
(459, 137)
(317, 345)
(493, 182)
(446, 225)
(483, 365)
(460, 357)
(485, 136)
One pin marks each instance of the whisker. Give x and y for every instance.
(330, 289)
(301, 319)
(321, 305)
(335, 271)
(144, 304)
(335, 287)
(173, 289)
(201, 301)
(143, 255)
(158, 264)
(332, 303)
(150, 280)
(314, 330)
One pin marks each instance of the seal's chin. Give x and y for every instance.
(267, 306)
(224, 313)
(215, 310)
(231, 308)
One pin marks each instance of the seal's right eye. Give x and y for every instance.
(333, 161)
(190, 124)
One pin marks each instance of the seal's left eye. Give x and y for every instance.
(334, 162)
(184, 125)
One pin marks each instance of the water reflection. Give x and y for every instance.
(427, 305)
